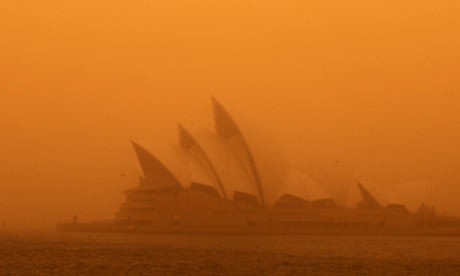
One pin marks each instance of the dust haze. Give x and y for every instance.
(352, 89)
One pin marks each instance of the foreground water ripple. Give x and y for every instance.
(49, 253)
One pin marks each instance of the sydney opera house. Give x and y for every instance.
(234, 176)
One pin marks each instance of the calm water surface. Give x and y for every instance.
(50, 253)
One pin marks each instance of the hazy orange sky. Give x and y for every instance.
(373, 84)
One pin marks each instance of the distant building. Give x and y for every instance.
(233, 165)
(235, 175)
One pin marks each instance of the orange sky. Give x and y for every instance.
(373, 84)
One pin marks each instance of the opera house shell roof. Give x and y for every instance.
(410, 195)
(235, 162)
(240, 163)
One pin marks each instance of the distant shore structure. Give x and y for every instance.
(235, 179)
(234, 167)
(233, 162)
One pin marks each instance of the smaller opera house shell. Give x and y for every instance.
(234, 168)
(409, 197)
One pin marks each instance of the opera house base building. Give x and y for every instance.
(233, 180)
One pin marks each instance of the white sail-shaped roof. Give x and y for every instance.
(410, 194)
(294, 187)
(267, 165)
(228, 168)
(313, 189)
(199, 174)
(162, 163)
(336, 178)
(368, 193)
(299, 185)
(201, 167)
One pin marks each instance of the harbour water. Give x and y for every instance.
(51, 253)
